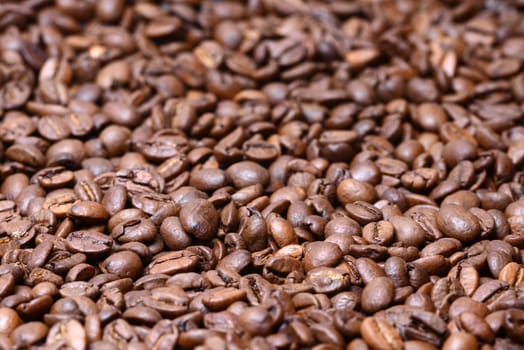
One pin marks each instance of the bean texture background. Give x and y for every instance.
(261, 174)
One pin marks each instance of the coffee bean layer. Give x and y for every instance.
(261, 174)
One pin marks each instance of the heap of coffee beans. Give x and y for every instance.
(262, 174)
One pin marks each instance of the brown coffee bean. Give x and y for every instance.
(121, 113)
(70, 332)
(221, 298)
(407, 231)
(318, 254)
(114, 74)
(512, 273)
(208, 179)
(173, 234)
(377, 295)
(26, 154)
(457, 151)
(91, 243)
(123, 264)
(328, 280)
(199, 218)
(381, 233)
(349, 191)
(68, 153)
(115, 199)
(9, 320)
(109, 10)
(422, 90)
(29, 333)
(430, 116)
(455, 222)
(460, 340)
(53, 128)
(13, 185)
(174, 262)
(89, 211)
(379, 334)
(247, 173)
(115, 140)
(134, 230)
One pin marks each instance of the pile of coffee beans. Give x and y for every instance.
(262, 174)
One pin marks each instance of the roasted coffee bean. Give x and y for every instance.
(199, 218)
(89, 242)
(247, 173)
(28, 334)
(13, 185)
(89, 211)
(455, 222)
(379, 334)
(381, 233)
(460, 340)
(173, 234)
(138, 230)
(9, 320)
(328, 280)
(174, 262)
(377, 295)
(363, 212)
(350, 190)
(123, 264)
(318, 254)
(121, 113)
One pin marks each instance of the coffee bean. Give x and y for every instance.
(381, 233)
(199, 218)
(89, 211)
(457, 151)
(407, 231)
(114, 74)
(455, 222)
(460, 340)
(349, 191)
(121, 113)
(109, 10)
(115, 199)
(363, 212)
(29, 333)
(13, 185)
(174, 262)
(168, 301)
(512, 273)
(67, 152)
(430, 116)
(115, 140)
(317, 254)
(53, 128)
(379, 334)
(9, 320)
(247, 173)
(134, 230)
(26, 154)
(174, 234)
(328, 280)
(91, 243)
(123, 264)
(222, 297)
(377, 295)
(208, 179)
(71, 332)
